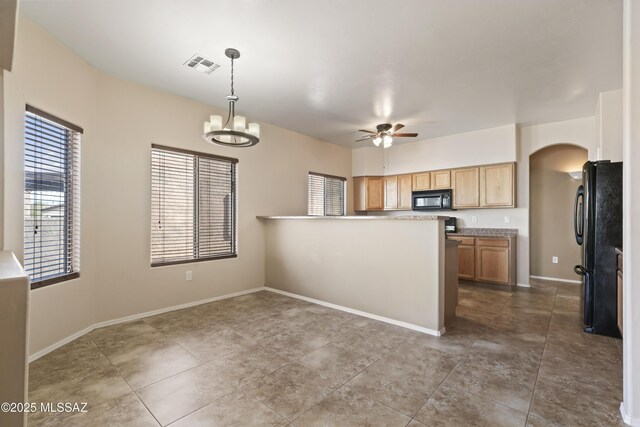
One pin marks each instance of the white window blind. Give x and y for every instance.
(326, 195)
(51, 198)
(193, 206)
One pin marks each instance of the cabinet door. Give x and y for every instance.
(404, 192)
(391, 192)
(466, 188)
(375, 193)
(359, 194)
(466, 262)
(492, 264)
(440, 180)
(497, 186)
(422, 181)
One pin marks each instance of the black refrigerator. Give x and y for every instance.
(598, 229)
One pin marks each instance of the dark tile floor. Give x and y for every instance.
(510, 359)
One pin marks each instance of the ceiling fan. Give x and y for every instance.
(384, 134)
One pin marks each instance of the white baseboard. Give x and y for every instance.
(523, 285)
(555, 279)
(66, 340)
(361, 313)
(633, 422)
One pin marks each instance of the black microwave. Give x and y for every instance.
(431, 200)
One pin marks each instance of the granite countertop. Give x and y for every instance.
(486, 232)
(363, 217)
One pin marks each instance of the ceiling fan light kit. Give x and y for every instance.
(384, 134)
(234, 132)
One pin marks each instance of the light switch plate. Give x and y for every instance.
(554, 259)
(189, 275)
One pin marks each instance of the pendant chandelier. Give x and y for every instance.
(234, 132)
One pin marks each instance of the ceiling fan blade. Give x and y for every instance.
(397, 127)
(366, 138)
(405, 135)
(367, 131)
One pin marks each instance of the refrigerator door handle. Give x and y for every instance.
(578, 215)
(579, 270)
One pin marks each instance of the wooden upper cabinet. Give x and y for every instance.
(391, 192)
(497, 186)
(422, 181)
(440, 180)
(368, 193)
(466, 187)
(359, 193)
(375, 193)
(404, 191)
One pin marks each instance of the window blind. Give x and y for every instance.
(326, 195)
(193, 206)
(51, 198)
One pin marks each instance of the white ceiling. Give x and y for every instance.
(326, 68)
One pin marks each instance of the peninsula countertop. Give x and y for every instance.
(485, 232)
(361, 217)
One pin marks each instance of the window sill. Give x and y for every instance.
(54, 280)
(189, 261)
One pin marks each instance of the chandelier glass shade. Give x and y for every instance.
(234, 132)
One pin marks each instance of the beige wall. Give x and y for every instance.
(552, 192)
(390, 268)
(8, 19)
(2, 158)
(121, 121)
(631, 205)
(609, 125)
(66, 87)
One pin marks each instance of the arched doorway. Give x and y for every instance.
(553, 249)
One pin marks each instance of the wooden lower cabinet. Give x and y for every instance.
(492, 264)
(466, 262)
(486, 259)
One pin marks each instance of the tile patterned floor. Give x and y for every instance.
(510, 359)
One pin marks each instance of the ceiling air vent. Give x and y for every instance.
(204, 65)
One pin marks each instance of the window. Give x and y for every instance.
(326, 195)
(51, 198)
(193, 206)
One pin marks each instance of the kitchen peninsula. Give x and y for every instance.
(393, 268)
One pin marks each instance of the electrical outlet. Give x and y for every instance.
(474, 219)
(507, 219)
(189, 275)
(554, 259)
